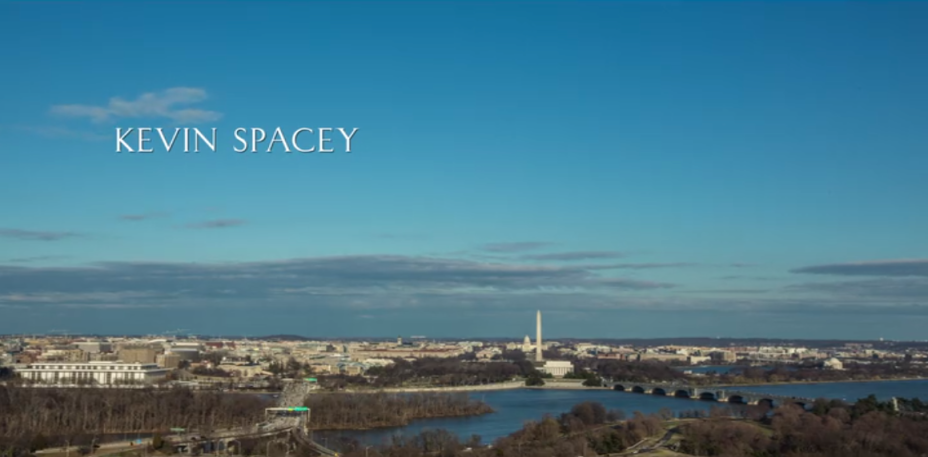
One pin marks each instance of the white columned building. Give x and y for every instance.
(100, 373)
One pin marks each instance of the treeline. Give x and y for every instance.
(587, 430)
(913, 405)
(589, 378)
(830, 429)
(39, 417)
(370, 410)
(811, 372)
(437, 372)
(643, 371)
(211, 372)
(292, 368)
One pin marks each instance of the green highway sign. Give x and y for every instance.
(177, 429)
(311, 380)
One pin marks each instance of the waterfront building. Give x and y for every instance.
(106, 373)
(697, 359)
(724, 356)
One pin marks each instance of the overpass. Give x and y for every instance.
(708, 393)
(281, 429)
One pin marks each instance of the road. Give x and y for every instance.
(293, 395)
(110, 448)
(642, 447)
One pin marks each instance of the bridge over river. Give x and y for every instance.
(286, 425)
(708, 393)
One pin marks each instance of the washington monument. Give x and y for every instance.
(538, 339)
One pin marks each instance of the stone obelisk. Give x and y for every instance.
(538, 339)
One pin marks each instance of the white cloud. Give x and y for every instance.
(169, 104)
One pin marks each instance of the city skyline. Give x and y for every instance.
(628, 169)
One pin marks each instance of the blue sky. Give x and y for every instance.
(633, 169)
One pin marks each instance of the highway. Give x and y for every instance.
(293, 395)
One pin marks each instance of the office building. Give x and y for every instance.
(139, 354)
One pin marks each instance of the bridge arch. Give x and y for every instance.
(708, 396)
(682, 393)
(638, 389)
(619, 387)
(768, 402)
(738, 399)
(658, 391)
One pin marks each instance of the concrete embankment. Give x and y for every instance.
(562, 384)
(842, 381)
(497, 386)
(565, 384)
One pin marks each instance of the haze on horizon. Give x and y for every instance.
(631, 169)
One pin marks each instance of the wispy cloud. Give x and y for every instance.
(168, 104)
(216, 223)
(915, 289)
(34, 235)
(634, 284)
(142, 216)
(519, 246)
(380, 281)
(62, 132)
(40, 258)
(639, 266)
(903, 267)
(730, 291)
(576, 255)
(748, 278)
(368, 283)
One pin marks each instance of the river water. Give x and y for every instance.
(515, 406)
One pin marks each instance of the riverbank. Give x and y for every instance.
(577, 384)
(555, 384)
(405, 421)
(566, 384)
(483, 387)
(793, 383)
(516, 406)
(366, 411)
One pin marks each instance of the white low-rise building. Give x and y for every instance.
(106, 373)
(556, 368)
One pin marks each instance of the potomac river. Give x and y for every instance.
(515, 406)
